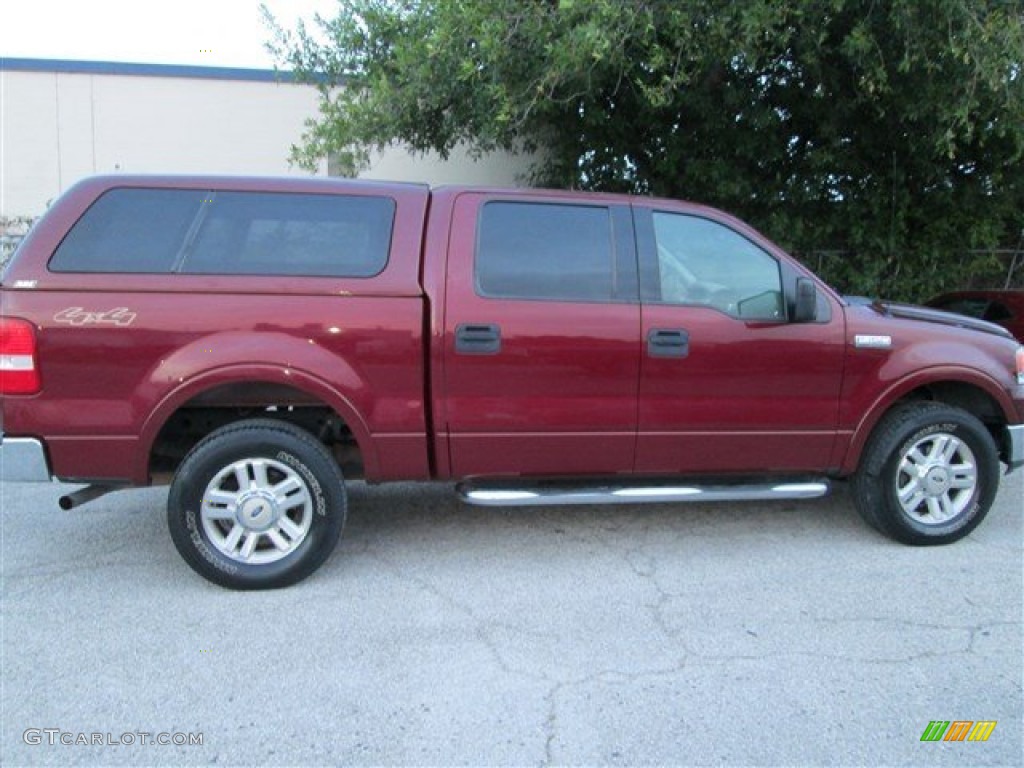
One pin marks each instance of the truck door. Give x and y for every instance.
(728, 384)
(541, 336)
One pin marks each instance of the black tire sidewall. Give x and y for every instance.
(962, 426)
(318, 470)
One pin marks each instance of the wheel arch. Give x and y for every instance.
(304, 387)
(976, 394)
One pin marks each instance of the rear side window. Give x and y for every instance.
(129, 230)
(231, 233)
(545, 251)
(287, 234)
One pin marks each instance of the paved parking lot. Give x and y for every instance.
(781, 633)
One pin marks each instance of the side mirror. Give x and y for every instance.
(805, 310)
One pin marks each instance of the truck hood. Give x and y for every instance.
(928, 315)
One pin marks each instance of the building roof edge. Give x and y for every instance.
(134, 69)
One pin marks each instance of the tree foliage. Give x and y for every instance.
(891, 131)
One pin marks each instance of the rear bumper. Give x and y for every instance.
(23, 460)
(1015, 447)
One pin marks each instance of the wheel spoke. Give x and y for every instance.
(250, 545)
(259, 471)
(218, 513)
(948, 509)
(949, 448)
(914, 501)
(217, 496)
(242, 476)
(220, 505)
(912, 488)
(231, 541)
(299, 499)
(935, 448)
(963, 476)
(915, 457)
(291, 530)
(290, 493)
(286, 486)
(934, 508)
(278, 540)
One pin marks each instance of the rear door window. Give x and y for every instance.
(545, 251)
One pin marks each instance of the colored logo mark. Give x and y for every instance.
(958, 730)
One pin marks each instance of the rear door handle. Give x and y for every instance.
(668, 342)
(477, 339)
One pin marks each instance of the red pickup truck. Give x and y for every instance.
(255, 341)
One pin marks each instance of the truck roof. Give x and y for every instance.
(93, 184)
(242, 183)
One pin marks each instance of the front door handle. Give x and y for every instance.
(477, 339)
(668, 342)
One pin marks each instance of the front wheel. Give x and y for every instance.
(929, 474)
(256, 505)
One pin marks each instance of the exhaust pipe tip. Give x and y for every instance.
(83, 496)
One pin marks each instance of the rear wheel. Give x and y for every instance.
(257, 505)
(929, 474)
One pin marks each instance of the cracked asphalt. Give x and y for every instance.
(442, 634)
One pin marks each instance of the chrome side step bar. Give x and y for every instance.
(493, 495)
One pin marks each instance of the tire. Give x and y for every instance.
(929, 474)
(278, 528)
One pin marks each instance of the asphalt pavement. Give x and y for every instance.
(441, 634)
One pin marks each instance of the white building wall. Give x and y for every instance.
(76, 138)
(29, 165)
(499, 169)
(58, 127)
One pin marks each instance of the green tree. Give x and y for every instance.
(891, 131)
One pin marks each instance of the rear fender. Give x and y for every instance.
(234, 358)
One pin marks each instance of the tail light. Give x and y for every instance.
(1020, 365)
(19, 369)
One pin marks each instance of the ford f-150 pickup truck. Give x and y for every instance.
(254, 342)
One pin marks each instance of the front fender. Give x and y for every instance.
(897, 390)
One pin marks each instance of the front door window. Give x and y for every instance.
(702, 263)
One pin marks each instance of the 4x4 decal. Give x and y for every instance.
(78, 316)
